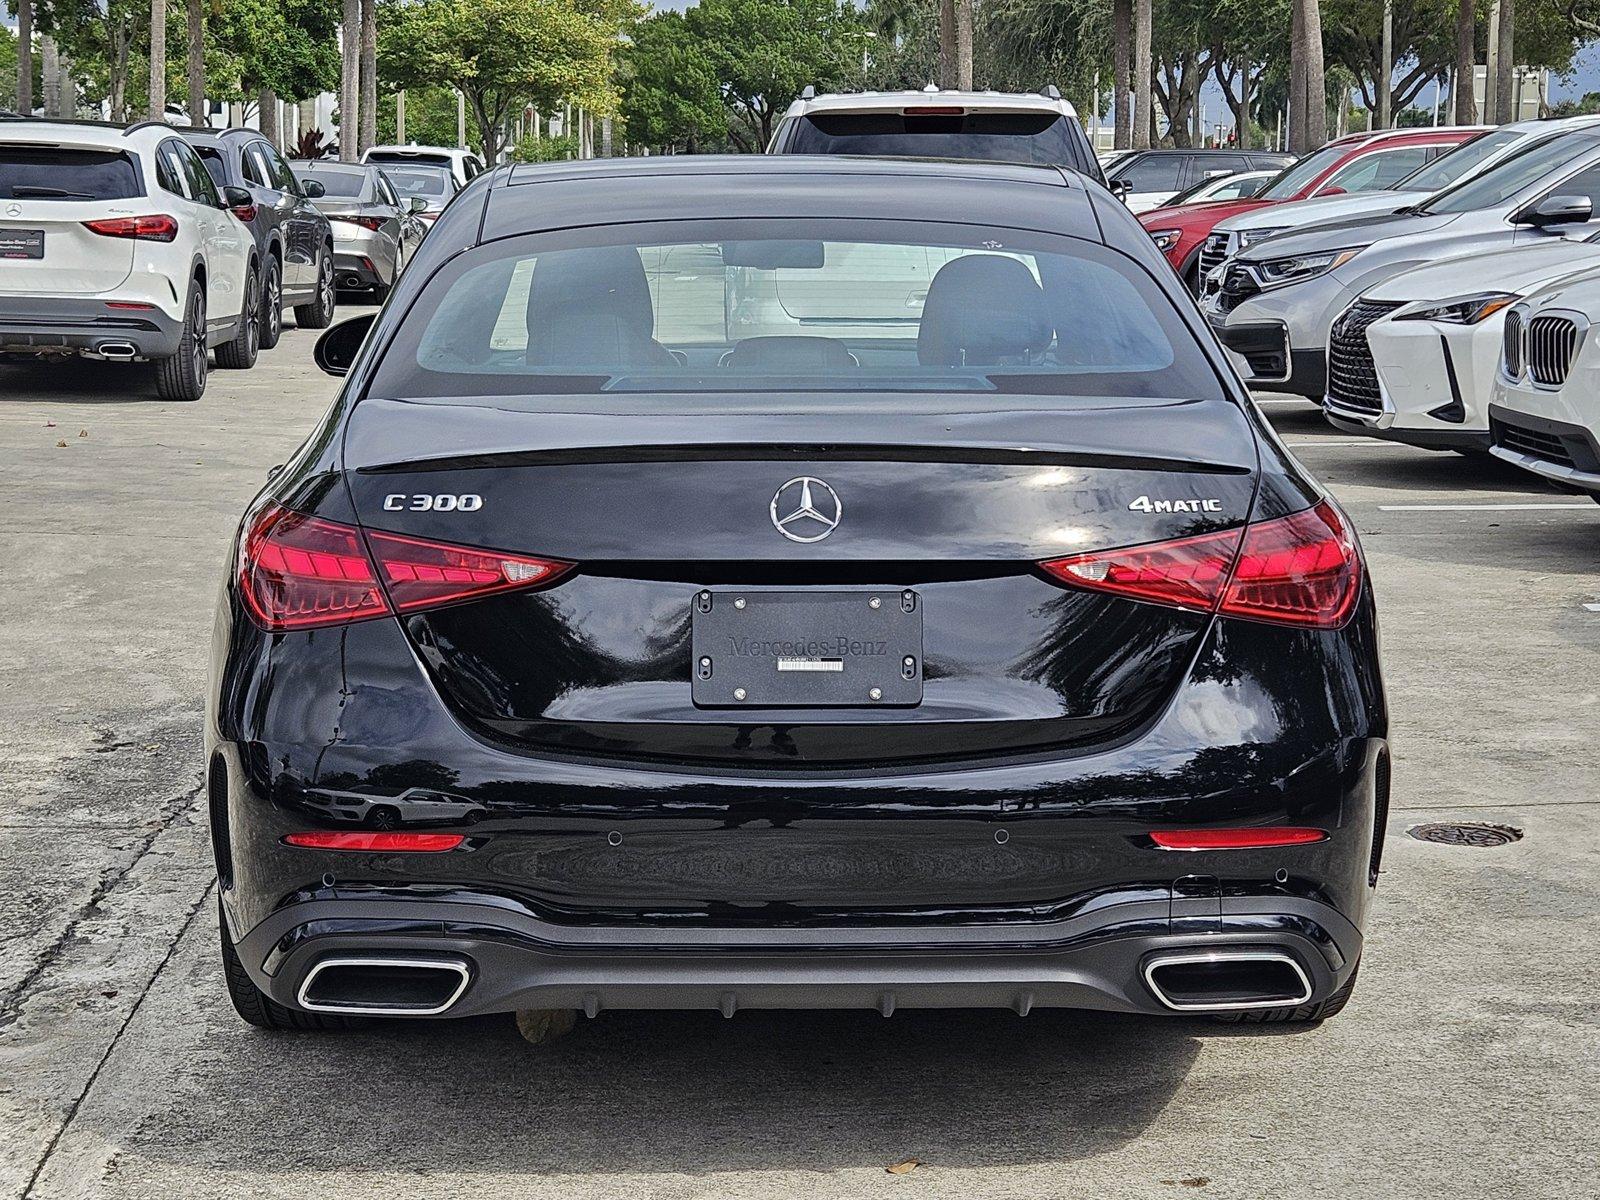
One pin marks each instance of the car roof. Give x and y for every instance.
(414, 148)
(104, 134)
(987, 101)
(532, 197)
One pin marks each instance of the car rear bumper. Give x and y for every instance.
(1270, 363)
(82, 325)
(511, 960)
(355, 270)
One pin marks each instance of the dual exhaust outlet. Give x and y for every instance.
(1232, 979)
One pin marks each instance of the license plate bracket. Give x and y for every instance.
(21, 243)
(835, 648)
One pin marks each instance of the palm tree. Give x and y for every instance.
(25, 57)
(1143, 117)
(1316, 126)
(1506, 70)
(964, 44)
(197, 64)
(947, 43)
(350, 81)
(1466, 62)
(369, 76)
(1121, 69)
(158, 59)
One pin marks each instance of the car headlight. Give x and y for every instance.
(1296, 268)
(1468, 310)
(1248, 237)
(1166, 239)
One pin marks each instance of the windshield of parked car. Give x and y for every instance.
(420, 181)
(52, 173)
(1027, 137)
(1505, 179)
(1457, 164)
(346, 184)
(1295, 177)
(797, 305)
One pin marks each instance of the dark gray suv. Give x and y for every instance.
(294, 239)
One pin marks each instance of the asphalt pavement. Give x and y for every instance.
(1467, 1065)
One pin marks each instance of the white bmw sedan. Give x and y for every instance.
(1413, 359)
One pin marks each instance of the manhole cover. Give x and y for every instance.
(1466, 833)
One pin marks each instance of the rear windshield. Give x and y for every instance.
(396, 156)
(1024, 137)
(786, 306)
(336, 183)
(49, 173)
(410, 182)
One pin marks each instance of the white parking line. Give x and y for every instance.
(1475, 507)
(1349, 442)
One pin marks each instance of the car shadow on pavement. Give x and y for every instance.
(689, 1092)
(79, 381)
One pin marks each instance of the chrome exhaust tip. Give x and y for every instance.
(117, 350)
(1227, 980)
(371, 985)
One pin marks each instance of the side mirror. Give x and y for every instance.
(1120, 188)
(237, 198)
(337, 348)
(1556, 210)
(1332, 191)
(313, 189)
(417, 204)
(1218, 173)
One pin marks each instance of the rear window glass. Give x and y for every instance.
(347, 184)
(29, 173)
(412, 182)
(801, 305)
(215, 167)
(395, 156)
(1040, 137)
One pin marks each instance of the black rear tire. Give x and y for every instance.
(182, 376)
(319, 313)
(380, 292)
(271, 303)
(1306, 1014)
(239, 354)
(259, 1009)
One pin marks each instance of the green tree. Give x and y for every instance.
(763, 52)
(505, 54)
(672, 97)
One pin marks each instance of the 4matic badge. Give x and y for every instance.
(1147, 505)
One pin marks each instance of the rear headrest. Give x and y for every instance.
(779, 353)
(983, 310)
(606, 283)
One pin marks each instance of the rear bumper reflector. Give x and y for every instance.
(1236, 839)
(413, 843)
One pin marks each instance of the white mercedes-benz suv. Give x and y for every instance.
(116, 244)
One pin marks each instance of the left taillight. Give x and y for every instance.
(157, 227)
(1303, 569)
(372, 223)
(301, 572)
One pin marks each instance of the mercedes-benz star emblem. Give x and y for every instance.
(806, 510)
(13, 210)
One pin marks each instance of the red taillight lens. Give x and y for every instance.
(245, 212)
(155, 228)
(422, 574)
(405, 843)
(1303, 569)
(1236, 839)
(1189, 573)
(300, 572)
(373, 223)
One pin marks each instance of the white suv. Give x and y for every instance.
(115, 244)
(464, 165)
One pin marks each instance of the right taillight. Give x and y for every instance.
(157, 227)
(1303, 569)
(302, 572)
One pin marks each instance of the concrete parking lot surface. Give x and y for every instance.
(1467, 1065)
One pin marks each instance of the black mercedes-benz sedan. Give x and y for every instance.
(792, 583)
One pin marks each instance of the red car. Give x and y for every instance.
(1181, 232)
